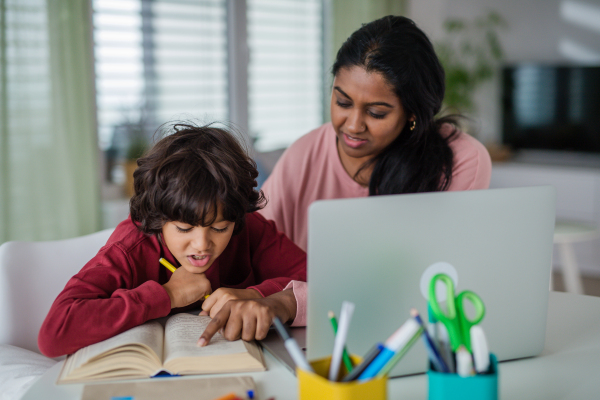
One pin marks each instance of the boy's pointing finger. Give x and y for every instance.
(218, 322)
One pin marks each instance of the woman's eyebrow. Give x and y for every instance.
(380, 103)
(342, 92)
(375, 103)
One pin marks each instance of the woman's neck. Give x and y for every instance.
(352, 165)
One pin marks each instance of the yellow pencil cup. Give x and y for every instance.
(316, 386)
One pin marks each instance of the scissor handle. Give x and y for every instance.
(464, 321)
(450, 319)
(435, 306)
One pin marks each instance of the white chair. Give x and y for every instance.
(32, 274)
(565, 234)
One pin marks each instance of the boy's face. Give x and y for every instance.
(197, 247)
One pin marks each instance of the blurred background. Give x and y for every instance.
(84, 84)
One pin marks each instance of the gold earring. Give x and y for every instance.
(412, 126)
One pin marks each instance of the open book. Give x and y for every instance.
(149, 349)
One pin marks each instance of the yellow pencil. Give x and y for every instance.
(167, 264)
(171, 268)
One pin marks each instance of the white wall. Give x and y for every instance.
(547, 31)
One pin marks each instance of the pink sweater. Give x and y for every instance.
(310, 169)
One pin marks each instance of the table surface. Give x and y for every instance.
(572, 232)
(568, 368)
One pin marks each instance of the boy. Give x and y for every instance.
(194, 205)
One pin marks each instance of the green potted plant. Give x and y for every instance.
(137, 147)
(133, 144)
(470, 54)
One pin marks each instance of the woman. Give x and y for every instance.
(383, 137)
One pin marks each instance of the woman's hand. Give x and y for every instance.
(250, 319)
(185, 288)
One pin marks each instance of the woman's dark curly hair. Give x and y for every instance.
(419, 160)
(191, 173)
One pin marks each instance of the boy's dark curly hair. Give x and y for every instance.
(189, 174)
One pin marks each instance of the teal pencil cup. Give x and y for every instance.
(444, 386)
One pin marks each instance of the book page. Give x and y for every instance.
(182, 333)
(151, 334)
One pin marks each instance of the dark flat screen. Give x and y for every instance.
(551, 107)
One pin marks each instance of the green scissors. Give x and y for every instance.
(456, 321)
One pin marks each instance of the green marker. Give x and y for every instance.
(345, 356)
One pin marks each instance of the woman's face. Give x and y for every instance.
(366, 114)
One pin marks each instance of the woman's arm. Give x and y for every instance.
(276, 260)
(472, 168)
(300, 290)
(280, 201)
(281, 191)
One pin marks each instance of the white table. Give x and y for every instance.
(568, 368)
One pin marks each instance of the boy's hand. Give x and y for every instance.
(217, 300)
(185, 288)
(250, 319)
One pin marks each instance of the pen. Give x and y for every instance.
(392, 345)
(345, 356)
(464, 362)
(433, 333)
(367, 359)
(340, 339)
(445, 347)
(432, 327)
(481, 354)
(292, 346)
(172, 268)
(434, 355)
(394, 360)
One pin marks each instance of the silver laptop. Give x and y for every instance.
(377, 251)
(274, 345)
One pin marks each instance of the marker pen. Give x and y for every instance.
(292, 346)
(435, 357)
(481, 354)
(367, 360)
(464, 362)
(445, 347)
(392, 345)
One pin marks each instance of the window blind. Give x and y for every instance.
(285, 39)
(158, 61)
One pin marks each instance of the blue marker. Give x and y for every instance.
(394, 344)
(367, 359)
(440, 339)
(434, 355)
